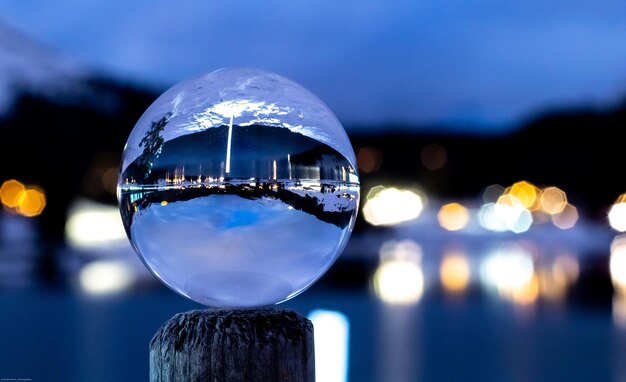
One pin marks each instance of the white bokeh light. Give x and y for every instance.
(392, 206)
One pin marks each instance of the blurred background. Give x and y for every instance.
(488, 138)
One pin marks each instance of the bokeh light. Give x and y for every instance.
(453, 216)
(454, 272)
(109, 180)
(541, 217)
(488, 218)
(526, 293)
(515, 217)
(554, 281)
(389, 206)
(10, 193)
(509, 270)
(553, 200)
(106, 277)
(369, 159)
(617, 216)
(399, 279)
(526, 193)
(32, 202)
(567, 218)
(552, 286)
(404, 250)
(93, 225)
(518, 207)
(567, 266)
(27, 201)
(399, 282)
(492, 193)
(434, 157)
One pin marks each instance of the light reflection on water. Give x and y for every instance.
(332, 339)
(399, 344)
(452, 331)
(435, 339)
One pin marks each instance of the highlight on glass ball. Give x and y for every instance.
(238, 188)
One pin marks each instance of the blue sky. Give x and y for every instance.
(488, 62)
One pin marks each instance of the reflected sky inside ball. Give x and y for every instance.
(250, 96)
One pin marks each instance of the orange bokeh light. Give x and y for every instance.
(527, 193)
(453, 216)
(527, 293)
(553, 200)
(27, 201)
(454, 272)
(10, 193)
(32, 202)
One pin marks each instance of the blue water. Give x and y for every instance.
(50, 336)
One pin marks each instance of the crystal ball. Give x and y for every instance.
(238, 188)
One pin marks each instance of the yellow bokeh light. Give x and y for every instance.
(399, 282)
(399, 278)
(553, 200)
(527, 293)
(453, 216)
(567, 218)
(526, 193)
(509, 200)
(10, 193)
(164, 203)
(454, 272)
(32, 202)
(617, 216)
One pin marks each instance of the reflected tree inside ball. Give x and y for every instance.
(238, 188)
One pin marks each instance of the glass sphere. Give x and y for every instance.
(238, 188)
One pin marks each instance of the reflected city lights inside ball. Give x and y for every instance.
(238, 188)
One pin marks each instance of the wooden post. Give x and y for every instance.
(233, 345)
